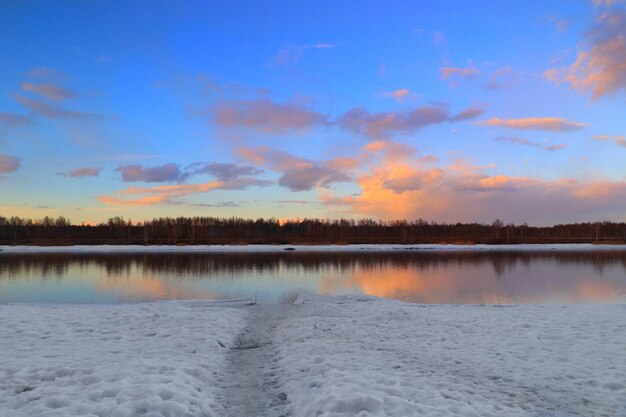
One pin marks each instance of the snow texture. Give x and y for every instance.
(360, 356)
(303, 248)
(321, 356)
(154, 359)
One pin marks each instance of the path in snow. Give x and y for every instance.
(251, 387)
(349, 356)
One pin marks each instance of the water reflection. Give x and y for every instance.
(424, 276)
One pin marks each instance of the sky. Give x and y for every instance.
(447, 111)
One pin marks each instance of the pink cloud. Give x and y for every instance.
(527, 142)
(299, 174)
(266, 116)
(503, 77)
(440, 38)
(455, 74)
(82, 172)
(399, 94)
(551, 124)
(606, 2)
(467, 72)
(559, 23)
(599, 69)
(10, 120)
(618, 140)
(8, 163)
(381, 125)
(290, 54)
(224, 171)
(56, 112)
(44, 72)
(344, 163)
(51, 91)
(610, 191)
(165, 173)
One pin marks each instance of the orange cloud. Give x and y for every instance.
(175, 190)
(390, 150)
(404, 179)
(384, 193)
(550, 124)
(460, 192)
(168, 194)
(602, 190)
(478, 182)
(165, 193)
(134, 202)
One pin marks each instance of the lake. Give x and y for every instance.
(423, 275)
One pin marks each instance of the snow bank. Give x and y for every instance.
(153, 359)
(360, 356)
(301, 248)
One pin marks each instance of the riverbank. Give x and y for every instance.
(321, 356)
(306, 248)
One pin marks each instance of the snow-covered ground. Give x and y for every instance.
(302, 248)
(360, 356)
(321, 356)
(152, 359)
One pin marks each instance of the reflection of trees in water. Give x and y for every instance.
(201, 266)
(18, 267)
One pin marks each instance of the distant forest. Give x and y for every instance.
(214, 231)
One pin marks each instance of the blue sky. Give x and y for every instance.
(445, 110)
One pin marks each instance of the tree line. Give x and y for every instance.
(235, 230)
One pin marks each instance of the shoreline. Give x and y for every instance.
(538, 247)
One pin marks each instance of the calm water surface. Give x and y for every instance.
(414, 276)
